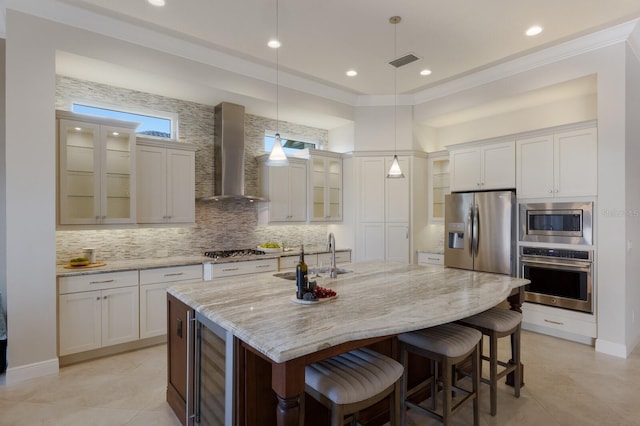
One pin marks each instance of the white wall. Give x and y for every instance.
(374, 128)
(632, 299)
(3, 181)
(341, 139)
(30, 197)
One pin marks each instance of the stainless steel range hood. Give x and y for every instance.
(228, 154)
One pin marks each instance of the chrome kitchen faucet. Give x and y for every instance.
(331, 246)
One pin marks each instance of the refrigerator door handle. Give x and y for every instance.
(470, 230)
(474, 235)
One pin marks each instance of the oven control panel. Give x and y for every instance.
(559, 253)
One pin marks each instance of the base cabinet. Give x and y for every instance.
(153, 295)
(97, 311)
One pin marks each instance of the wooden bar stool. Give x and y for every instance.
(497, 323)
(353, 381)
(447, 345)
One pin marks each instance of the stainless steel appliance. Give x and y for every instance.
(568, 223)
(480, 231)
(214, 374)
(559, 277)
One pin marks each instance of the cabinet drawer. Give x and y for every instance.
(246, 267)
(341, 257)
(287, 262)
(559, 319)
(430, 258)
(171, 274)
(78, 283)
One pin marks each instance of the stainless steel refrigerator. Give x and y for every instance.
(480, 231)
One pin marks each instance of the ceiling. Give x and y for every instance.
(321, 40)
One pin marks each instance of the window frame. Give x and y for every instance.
(165, 115)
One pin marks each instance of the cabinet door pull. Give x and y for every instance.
(174, 274)
(554, 322)
(262, 266)
(230, 269)
(101, 282)
(179, 328)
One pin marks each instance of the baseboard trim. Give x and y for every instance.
(31, 371)
(112, 350)
(611, 348)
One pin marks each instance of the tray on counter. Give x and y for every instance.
(91, 265)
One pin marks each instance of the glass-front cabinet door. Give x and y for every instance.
(326, 188)
(117, 175)
(438, 187)
(95, 168)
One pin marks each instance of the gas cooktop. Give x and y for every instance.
(221, 254)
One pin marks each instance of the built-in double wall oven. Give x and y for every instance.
(561, 274)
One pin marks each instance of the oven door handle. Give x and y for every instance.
(556, 265)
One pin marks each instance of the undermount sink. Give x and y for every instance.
(291, 275)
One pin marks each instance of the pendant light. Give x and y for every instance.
(277, 157)
(394, 170)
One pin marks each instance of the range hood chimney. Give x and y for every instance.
(228, 154)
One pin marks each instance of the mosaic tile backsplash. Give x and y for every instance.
(230, 224)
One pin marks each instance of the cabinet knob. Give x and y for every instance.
(98, 298)
(104, 298)
(551, 191)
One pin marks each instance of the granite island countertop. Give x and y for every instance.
(376, 299)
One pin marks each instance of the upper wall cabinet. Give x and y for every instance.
(165, 180)
(563, 164)
(325, 187)
(286, 189)
(95, 170)
(483, 167)
(437, 186)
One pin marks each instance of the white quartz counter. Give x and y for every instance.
(377, 299)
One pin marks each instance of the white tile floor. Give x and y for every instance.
(566, 383)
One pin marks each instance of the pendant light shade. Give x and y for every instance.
(395, 171)
(277, 156)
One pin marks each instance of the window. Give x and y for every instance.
(153, 124)
(290, 145)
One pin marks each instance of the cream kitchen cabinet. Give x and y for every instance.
(165, 182)
(437, 186)
(563, 164)
(97, 310)
(325, 186)
(153, 295)
(96, 170)
(482, 167)
(383, 210)
(286, 189)
(230, 269)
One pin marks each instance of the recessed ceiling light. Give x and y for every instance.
(533, 30)
(274, 44)
(158, 3)
(425, 72)
(352, 73)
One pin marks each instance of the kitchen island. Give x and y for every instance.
(375, 301)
